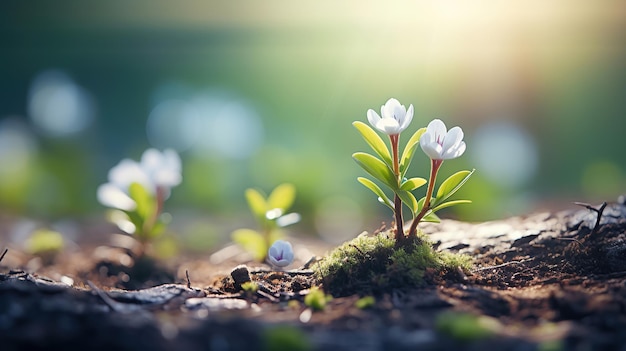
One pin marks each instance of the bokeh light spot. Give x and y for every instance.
(505, 154)
(57, 106)
(165, 126)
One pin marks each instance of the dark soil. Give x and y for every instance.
(550, 281)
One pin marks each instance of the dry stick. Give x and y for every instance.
(599, 211)
(4, 253)
(501, 265)
(188, 281)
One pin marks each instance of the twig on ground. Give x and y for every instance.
(4, 253)
(310, 262)
(501, 265)
(597, 210)
(188, 281)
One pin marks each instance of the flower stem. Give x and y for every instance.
(434, 168)
(397, 201)
(148, 226)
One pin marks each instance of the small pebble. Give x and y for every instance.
(240, 275)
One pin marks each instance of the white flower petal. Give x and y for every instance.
(373, 117)
(112, 196)
(453, 138)
(407, 118)
(151, 159)
(388, 126)
(171, 159)
(127, 172)
(437, 129)
(432, 150)
(391, 108)
(454, 152)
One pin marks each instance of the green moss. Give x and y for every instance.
(373, 264)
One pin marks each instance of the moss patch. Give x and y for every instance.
(373, 264)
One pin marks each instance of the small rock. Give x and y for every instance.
(240, 275)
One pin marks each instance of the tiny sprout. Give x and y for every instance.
(317, 299)
(280, 254)
(271, 215)
(250, 287)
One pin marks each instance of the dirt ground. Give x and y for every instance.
(548, 281)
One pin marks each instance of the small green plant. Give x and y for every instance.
(317, 299)
(390, 167)
(136, 191)
(286, 338)
(270, 213)
(465, 326)
(365, 302)
(45, 243)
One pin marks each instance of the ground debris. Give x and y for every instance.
(545, 280)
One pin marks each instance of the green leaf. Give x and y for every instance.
(282, 197)
(412, 184)
(431, 217)
(409, 200)
(146, 203)
(409, 150)
(451, 186)
(257, 203)
(450, 203)
(251, 241)
(376, 190)
(374, 141)
(377, 168)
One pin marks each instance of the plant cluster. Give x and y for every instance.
(136, 191)
(390, 167)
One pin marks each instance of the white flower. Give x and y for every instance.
(395, 117)
(155, 171)
(280, 253)
(440, 144)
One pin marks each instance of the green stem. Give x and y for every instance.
(434, 168)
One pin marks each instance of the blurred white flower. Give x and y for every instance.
(156, 173)
(280, 253)
(440, 144)
(395, 117)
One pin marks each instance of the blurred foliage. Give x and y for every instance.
(269, 212)
(295, 75)
(45, 243)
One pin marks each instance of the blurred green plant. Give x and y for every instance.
(137, 192)
(390, 167)
(270, 214)
(45, 243)
(286, 338)
(365, 302)
(317, 299)
(466, 327)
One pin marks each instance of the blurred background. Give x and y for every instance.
(256, 93)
